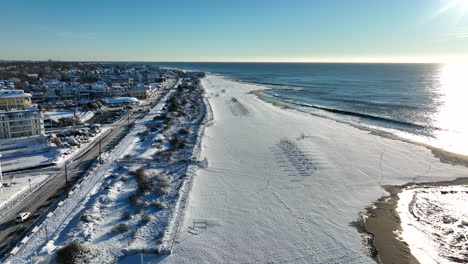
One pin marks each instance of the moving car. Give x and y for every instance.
(22, 217)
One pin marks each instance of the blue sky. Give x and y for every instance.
(222, 30)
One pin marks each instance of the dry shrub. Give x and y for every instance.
(133, 198)
(183, 131)
(159, 204)
(126, 215)
(162, 180)
(145, 219)
(85, 218)
(72, 253)
(140, 174)
(161, 190)
(122, 227)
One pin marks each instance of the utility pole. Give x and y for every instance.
(1, 175)
(47, 236)
(100, 147)
(66, 175)
(128, 123)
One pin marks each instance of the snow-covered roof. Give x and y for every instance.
(121, 100)
(13, 93)
(27, 109)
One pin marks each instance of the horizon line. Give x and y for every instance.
(267, 61)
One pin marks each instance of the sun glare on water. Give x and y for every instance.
(453, 109)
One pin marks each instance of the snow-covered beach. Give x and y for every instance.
(283, 186)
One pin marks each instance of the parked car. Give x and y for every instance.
(22, 217)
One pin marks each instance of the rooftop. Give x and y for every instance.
(13, 93)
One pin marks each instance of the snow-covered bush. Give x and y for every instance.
(120, 228)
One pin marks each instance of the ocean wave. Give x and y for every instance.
(324, 96)
(376, 104)
(285, 87)
(360, 115)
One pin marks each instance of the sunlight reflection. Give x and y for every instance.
(452, 114)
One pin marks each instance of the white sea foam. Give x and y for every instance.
(435, 223)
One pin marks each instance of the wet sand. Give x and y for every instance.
(379, 223)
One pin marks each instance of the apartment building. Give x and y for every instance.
(17, 117)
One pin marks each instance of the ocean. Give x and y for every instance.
(426, 103)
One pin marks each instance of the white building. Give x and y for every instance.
(17, 117)
(142, 91)
(21, 123)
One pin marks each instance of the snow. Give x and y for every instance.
(435, 223)
(31, 152)
(57, 114)
(61, 223)
(122, 100)
(18, 186)
(261, 206)
(280, 186)
(26, 152)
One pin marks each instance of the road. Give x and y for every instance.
(40, 200)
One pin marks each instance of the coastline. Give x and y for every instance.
(380, 225)
(241, 188)
(443, 155)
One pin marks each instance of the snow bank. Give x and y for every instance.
(435, 223)
(263, 202)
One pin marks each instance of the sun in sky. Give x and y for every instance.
(459, 6)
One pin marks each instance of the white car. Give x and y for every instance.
(21, 217)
